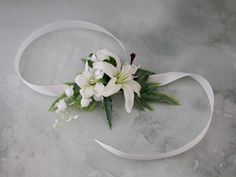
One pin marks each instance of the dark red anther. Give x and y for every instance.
(132, 56)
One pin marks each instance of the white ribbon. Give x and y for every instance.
(164, 79)
(55, 90)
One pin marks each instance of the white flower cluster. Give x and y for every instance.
(121, 77)
(61, 105)
(91, 84)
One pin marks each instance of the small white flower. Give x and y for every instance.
(121, 78)
(61, 106)
(85, 102)
(98, 98)
(69, 91)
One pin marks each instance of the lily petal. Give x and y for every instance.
(94, 58)
(136, 87)
(111, 88)
(134, 68)
(81, 80)
(129, 97)
(89, 91)
(99, 87)
(98, 74)
(87, 74)
(102, 55)
(82, 92)
(107, 68)
(86, 66)
(86, 92)
(118, 63)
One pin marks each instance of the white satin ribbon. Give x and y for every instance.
(164, 79)
(55, 90)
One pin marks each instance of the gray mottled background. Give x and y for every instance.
(197, 36)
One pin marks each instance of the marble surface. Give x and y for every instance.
(197, 36)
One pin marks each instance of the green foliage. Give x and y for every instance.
(77, 103)
(111, 60)
(91, 106)
(142, 76)
(148, 92)
(149, 87)
(90, 63)
(108, 110)
(76, 98)
(160, 97)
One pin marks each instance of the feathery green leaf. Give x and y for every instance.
(161, 98)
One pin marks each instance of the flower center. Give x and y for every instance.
(92, 81)
(123, 77)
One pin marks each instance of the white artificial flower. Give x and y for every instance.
(85, 102)
(69, 91)
(89, 83)
(104, 54)
(61, 106)
(121, 78)
(98, 98)
(100, 55)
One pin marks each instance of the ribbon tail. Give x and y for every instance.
(164, 79)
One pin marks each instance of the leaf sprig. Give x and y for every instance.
(73, 101)
(149, 92)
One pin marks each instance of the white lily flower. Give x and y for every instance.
(61, 106)
(89, 84)
(69, 91)
(121, 78)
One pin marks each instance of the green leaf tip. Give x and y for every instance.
(108, 110)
